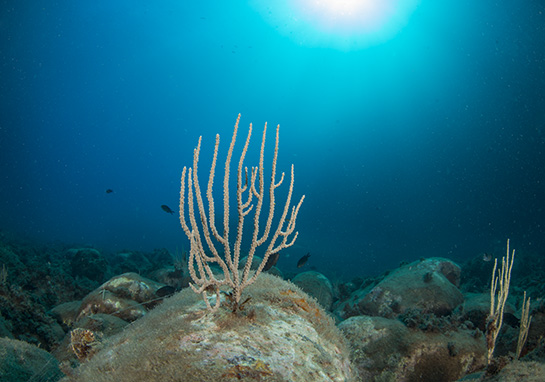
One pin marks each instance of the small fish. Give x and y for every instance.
(165, 291)
(109, 191)
(487, 257)
(511, 319)
(271, 261)
(303, 260)
(167, 209)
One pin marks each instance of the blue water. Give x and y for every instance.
(421, 137)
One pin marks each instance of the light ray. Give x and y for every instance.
(343, 24)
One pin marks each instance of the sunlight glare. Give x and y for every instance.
(341, 24)
(347, 14)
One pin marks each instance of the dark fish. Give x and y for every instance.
(511, 320)
(271, 261)
(303, 260)
(167, 209)
(109, 191)
(165, 291)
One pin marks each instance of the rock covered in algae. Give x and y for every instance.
(21, 361)
(127, 296)
(384, 349)
(317, 285)
(281, 334)
(520, 371)
(429, 285)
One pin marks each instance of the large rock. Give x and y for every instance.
(317, 285)
(281, 335)
(127, 296)
(88, 262)
(385, 350)
(520, 371)
(20, 361)
(100, 324)
(429, 286)
(177, 278)
(536, 332)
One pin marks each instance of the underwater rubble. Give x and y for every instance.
(77, 314)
